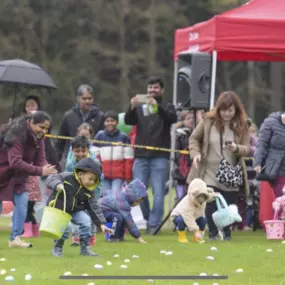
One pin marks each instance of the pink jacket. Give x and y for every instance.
(279, 205)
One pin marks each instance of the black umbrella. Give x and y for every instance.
(20, 72)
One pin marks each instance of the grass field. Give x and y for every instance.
(246, 251)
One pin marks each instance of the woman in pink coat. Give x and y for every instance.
(31, 227)
(22, 154)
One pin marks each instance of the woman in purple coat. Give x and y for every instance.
(22, 154)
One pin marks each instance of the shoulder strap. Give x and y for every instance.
(224, 204)
(221, 143)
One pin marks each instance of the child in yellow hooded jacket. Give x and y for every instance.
(190, 211)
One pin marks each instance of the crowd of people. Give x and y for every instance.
(104, 180)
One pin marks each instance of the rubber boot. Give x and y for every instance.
(35, 230)
(93, 240)
(75, 241)
(85, 248)
(27, 230)
(197, 239)
(182, 236)
(57, 249)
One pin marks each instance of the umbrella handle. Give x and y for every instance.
(14, 102)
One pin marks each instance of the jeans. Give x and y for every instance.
(118, 219)
(19, 214)
(231, 197)
(112, 184)
(83, 220)
(74, 229)
(156, 168)
(181, 226)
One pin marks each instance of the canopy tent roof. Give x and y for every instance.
(254, 31)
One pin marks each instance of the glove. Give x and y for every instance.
(59, 188)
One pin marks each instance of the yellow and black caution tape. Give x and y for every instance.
(129, 145)
(123, 144)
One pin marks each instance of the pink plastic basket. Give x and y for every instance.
(275, 228)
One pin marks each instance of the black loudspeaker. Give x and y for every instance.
(194, 81)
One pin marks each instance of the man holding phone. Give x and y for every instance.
(153, 118)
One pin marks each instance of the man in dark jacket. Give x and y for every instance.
(84, 112)
(152, 130)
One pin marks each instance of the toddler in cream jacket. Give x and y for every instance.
(190, 212)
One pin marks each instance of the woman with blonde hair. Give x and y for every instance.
(217, 146)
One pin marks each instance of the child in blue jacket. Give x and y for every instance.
(116, 207)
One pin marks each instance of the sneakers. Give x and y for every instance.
(85, 247)
(18, 243)
(227, 235)
(213, 235)
(75, 241)
(57, 249)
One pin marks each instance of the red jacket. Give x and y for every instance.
(117, 161)
(18, 162)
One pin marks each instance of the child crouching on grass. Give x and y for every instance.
(116, 207)
(190, 212)
(80, 196)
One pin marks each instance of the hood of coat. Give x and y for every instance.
(198, 187)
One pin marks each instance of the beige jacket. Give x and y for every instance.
(199, 142)
(189, 208)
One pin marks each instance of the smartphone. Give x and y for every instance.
(142, 98)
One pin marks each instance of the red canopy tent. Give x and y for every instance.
(254, 31)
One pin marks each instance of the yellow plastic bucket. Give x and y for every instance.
(54, 221)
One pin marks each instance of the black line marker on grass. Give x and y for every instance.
(119, 277)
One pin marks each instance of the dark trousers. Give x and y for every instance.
(231, 198)
(118, 222)
(181, 226)
(31, 213)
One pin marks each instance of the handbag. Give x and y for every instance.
(264, 176)
(228, 175)
(270, 167)
(225, 215)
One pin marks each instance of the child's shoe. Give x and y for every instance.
(57, 249)
(85, 247)
(112, 239)
(182, 236)
(75, 241)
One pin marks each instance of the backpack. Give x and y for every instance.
(183, 165)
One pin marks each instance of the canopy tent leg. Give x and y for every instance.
(213, 79)
(173, 138)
